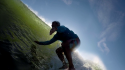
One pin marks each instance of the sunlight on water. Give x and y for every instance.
(92, 59)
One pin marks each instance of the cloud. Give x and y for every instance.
(111, 20)
(90, 60)
(102, 46)
(41, 17)
(109, 17)
(67, 2)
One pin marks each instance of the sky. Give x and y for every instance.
(100, 25)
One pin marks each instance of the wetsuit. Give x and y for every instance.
(63, 34)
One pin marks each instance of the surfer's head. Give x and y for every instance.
(55, 24)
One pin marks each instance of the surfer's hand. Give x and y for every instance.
(36, 42)
(53, 30)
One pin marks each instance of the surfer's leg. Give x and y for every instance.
(67, 53)
(59, 52)
(68, 47)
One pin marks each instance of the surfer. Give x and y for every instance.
(69, 42)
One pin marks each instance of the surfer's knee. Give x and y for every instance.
(59, 50)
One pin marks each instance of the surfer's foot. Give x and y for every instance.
(71, 69)
(65, 66)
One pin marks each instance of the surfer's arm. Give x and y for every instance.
(47, 42)
(59, 29)
(53, 30)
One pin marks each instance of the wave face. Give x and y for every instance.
(20, 27)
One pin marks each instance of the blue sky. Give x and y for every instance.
(100, 24)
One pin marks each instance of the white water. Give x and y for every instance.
(79, 63)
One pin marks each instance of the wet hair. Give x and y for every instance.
(56, 22)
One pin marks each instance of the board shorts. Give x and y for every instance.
(73, 43)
